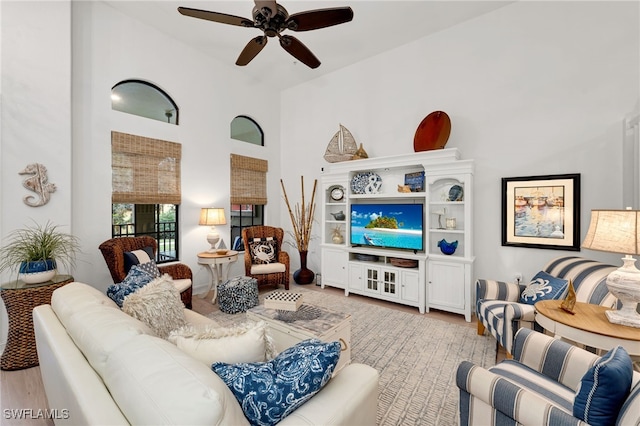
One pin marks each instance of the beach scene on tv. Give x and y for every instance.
(387, 225)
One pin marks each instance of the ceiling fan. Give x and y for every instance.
(273, 19)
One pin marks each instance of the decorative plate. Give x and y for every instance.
(456, 193)
(433, 132)
(366, 183)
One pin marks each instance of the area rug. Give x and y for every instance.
(416, 357)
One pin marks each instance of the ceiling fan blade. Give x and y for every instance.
(320, 18)
(222, 18)
(251, 50)
(299, 51)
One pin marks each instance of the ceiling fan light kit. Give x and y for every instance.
(273, 19)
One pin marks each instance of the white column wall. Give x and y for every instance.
(533, 88)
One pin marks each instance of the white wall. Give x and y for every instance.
(38, 115)
(533, 88)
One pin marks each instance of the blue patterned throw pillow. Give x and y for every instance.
(544, 287)
(135, 279)
(150, 268)
(604, 388)
(269, 391)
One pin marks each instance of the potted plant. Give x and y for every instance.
(35, 252)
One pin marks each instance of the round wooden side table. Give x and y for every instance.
(588, 326)
(219, 265)
(20, 299)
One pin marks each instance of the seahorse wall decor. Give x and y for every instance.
(37, 182)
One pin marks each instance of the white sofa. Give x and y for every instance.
(100, 366)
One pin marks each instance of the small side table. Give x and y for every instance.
(20, 299)
(589, 326)
(219, 265)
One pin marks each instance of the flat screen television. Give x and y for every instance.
(397, 226)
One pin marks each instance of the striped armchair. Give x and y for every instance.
(497, 303)
(537, 387)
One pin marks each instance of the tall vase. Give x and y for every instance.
(303, 275)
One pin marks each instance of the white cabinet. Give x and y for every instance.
(447, 286)
(442, 185)
(334, 267)
(380, 279)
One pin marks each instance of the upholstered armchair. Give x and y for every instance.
(113, 252)
(258, 262)
(500, 312)
(550, 382)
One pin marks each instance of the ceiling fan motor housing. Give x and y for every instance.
(271, 24)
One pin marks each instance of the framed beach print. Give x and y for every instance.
(541, 212)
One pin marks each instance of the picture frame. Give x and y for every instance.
(541, 212)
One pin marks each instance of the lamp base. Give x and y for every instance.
(624, 283)
(624, 318)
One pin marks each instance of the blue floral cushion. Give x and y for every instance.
(604, 388)
(269, 391)
(544, 287)
(135, 279)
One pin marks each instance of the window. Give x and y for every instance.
(144, 99)
(146, 190)
(246, 129)
(159, 221)
(248, 195)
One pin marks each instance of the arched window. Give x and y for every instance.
(144, 99)
(246, 129)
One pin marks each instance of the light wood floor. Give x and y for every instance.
(23, 389)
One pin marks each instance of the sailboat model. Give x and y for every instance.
(341, 147)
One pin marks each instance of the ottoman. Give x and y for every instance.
(238, 294)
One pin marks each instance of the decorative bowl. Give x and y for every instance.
(222, 251)
(446, 247)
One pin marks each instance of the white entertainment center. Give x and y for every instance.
(367, 264)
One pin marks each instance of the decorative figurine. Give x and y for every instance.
(38, 182)
(337, 237)
(570, 301)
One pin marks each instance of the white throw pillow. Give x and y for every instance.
(248, 342)
(158, 305)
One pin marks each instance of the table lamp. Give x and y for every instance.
(617, 231)
(212, 216)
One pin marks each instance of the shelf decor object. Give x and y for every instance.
(366, 183)
(212, 216)
(446, 247)
(616, 231)
(302, 219)
(342, 146)
(433, 132)
(541, 212)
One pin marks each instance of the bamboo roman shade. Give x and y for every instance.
(145, 170)
(248, 180)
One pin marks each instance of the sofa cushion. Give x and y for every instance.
(604, 388)
(263, 250)
(270, 391)
(96, 328)
(544, 287)
(248, 342)
(158, 305)
(135, 279)
(155, 383)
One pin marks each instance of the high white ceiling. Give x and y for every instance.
(377, 26)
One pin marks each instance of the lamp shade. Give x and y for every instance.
(614, 231)
(211, 216)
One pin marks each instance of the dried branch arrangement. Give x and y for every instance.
(301, 216)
